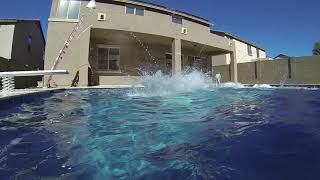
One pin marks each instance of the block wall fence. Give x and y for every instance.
(292, 71)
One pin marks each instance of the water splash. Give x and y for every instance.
(159, 84)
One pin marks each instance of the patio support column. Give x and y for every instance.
(176, 56)
(84, 43)
(234, 67)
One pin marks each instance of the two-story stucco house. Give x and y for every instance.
(22, 45)
(118, 38)
(246, 51)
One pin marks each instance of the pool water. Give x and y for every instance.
(211, 133)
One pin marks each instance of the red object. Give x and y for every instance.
(63, 50)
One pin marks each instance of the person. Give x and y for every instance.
(218, 79)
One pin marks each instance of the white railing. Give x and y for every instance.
(8, 77)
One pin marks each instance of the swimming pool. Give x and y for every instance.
(211, 133)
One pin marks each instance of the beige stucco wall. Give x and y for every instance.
(6, 39)
(57, 35)
(133, 57)
(263, 54)
(220, 60)
(242, 52)
(241, 55)
(152, 23)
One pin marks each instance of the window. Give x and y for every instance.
(130, 10)
(177, 19)
(68, 9)
(134, 10)
(194, 61)
(139, 12)
(29, 43)
(249, 50)
(258, 53)
(168, 61)
(109, 59)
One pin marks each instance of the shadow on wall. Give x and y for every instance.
(293, 70)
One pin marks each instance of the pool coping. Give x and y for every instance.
(28, 92)
(288, 85)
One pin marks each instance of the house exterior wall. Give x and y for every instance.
(134, 58)
(6, 39)
(263, 54)
(241, 54)
(57, 35)
(22, 58)
(25, 58)
(152, 23)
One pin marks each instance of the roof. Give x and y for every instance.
(162, 9)
(222, 33)
(18, 20)
(14, 21)
(280, 56)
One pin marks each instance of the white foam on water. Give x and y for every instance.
(232, 85)
(159, 84)
(263, 86)
(267, 86)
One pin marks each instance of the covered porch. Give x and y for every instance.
(120, 57)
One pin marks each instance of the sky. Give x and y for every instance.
(289, 27)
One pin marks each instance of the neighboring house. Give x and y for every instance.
(246, 51)
(281, 56)
(21, 48)
(119, 38)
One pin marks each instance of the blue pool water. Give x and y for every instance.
(224, 133)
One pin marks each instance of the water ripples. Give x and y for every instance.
(208, 133)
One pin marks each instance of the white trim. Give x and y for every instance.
(33, 73)
(63, 20)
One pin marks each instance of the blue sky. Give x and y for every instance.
(281, 26)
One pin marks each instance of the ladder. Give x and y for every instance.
(63, 50)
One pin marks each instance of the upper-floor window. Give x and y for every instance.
(69, 9)
(29, 43)
(134, 10)
(258, 53)
(249, 50)
(177, 19)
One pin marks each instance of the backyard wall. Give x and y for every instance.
(295, 70)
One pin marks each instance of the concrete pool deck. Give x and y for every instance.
(26, 92)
